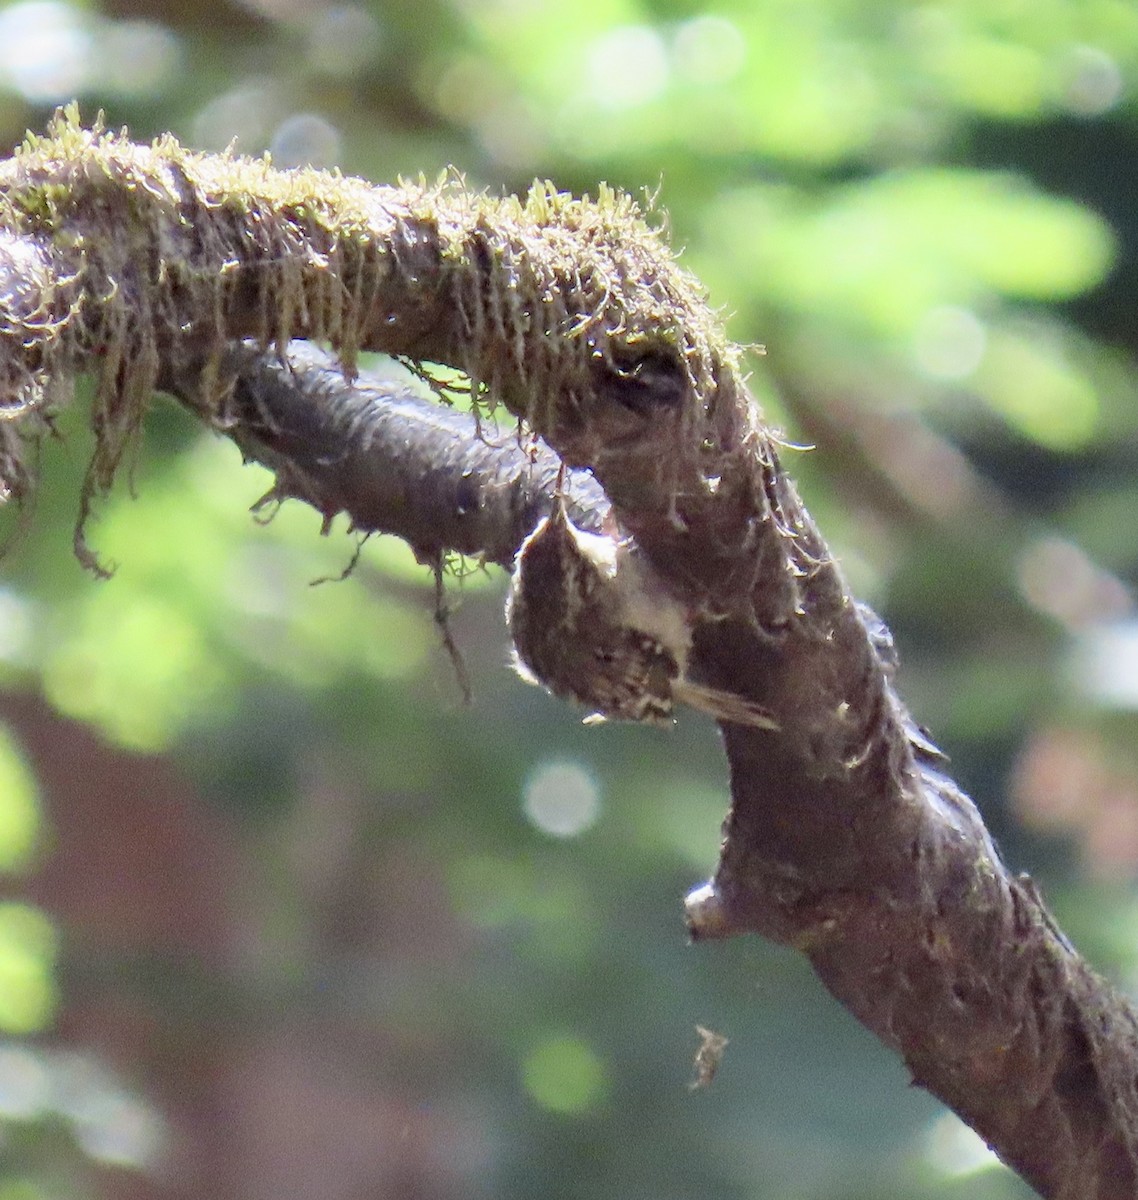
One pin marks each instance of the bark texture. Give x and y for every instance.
(845, 838)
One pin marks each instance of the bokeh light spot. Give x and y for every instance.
(1091, 81)
(1057, 578)
(564, 1075)
(136, 58)
(45, 49)
(25, 1083)
(710, 49)
(306, 140)
(627, 67)
(343, 40)
(1105, 664)
(949, 343)
(562, 799)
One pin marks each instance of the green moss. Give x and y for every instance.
(534, 298)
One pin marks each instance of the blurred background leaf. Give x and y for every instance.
(283, 918)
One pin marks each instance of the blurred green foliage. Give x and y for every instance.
(27, 937)
(20, 818)
(27, 959)
(924, 213)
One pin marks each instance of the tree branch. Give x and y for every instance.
(845, 838)
(393, 461)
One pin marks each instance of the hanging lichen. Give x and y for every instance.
(125, 259)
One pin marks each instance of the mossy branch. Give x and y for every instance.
(126, 255)
(845, 838)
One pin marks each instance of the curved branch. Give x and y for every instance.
(845, 838)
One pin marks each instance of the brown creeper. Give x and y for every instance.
(592, 621)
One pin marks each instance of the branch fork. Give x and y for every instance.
(151, 266)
